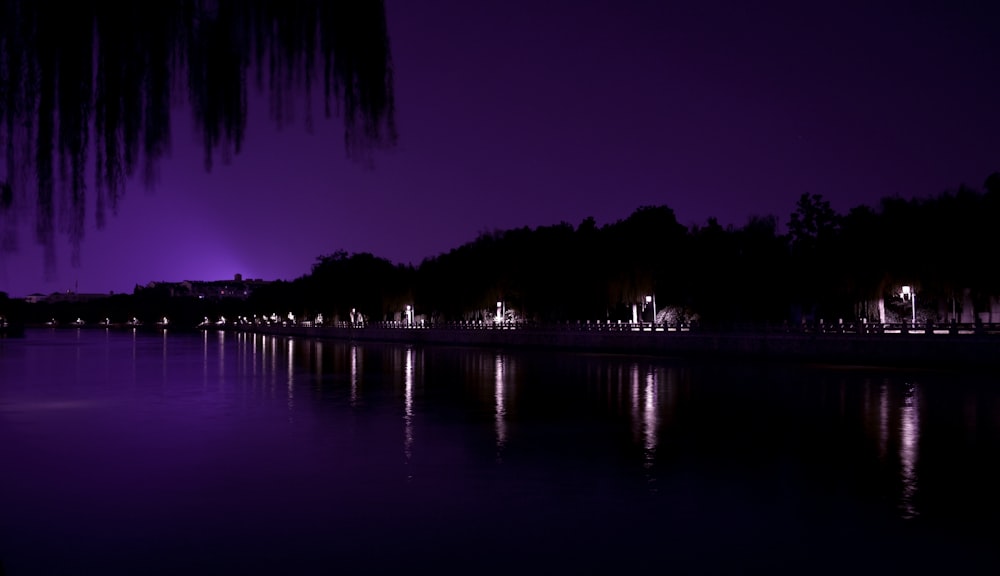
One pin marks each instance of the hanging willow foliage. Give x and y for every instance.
(109, 74)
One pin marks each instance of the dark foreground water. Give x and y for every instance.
(150, 453)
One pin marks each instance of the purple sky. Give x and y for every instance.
(527, 113)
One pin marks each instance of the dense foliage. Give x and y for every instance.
(826, 265)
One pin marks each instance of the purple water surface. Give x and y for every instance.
(218, 453)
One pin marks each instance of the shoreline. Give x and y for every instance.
(952, 352)
(939, 351)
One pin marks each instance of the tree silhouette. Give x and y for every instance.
(73, 77)
(813, 229)
(862, 261)
(340, 283)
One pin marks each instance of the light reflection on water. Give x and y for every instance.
(501, 411)
(408, 404)
(291, 379)
(531, 452)
(649, 418)
(909, 439)
(355, 373)
(883, 422)
(646, 406)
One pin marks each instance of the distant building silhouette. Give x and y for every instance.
(67, 296)
(237, 288)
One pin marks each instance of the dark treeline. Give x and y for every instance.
(826, 265)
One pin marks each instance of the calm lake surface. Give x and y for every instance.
(223, 453)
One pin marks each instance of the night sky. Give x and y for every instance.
(527, 113)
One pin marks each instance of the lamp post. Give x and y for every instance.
(912, 293)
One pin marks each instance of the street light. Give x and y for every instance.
(912, 293)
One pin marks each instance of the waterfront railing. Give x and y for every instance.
(847, 328)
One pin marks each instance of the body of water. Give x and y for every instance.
(218, 453)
